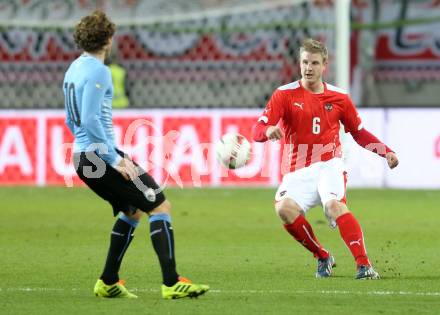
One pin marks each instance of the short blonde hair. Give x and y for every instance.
(315, 47)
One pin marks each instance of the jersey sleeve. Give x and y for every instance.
(351, 119)
(369, 141)
(274, 109)
(93, 97)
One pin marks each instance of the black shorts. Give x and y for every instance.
(110, 185)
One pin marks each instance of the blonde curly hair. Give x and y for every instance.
(93, 31)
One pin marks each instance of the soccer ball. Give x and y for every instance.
(233, 150)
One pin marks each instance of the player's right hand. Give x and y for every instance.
(127, 169)
(274, 133)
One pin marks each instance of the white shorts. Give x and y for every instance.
(316, 184)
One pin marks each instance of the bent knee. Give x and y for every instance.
(335, 208)
(129, 215)
(164, 207)
(288, 210)
(137, 215)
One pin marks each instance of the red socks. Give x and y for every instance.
(349, 229)
(301, 230)
(353, 237)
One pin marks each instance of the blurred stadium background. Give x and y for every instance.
(216, 62)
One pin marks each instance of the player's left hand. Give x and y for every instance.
(392, 160)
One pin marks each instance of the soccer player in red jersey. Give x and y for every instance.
(310, 112)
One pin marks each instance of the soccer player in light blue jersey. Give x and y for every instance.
(109, 172)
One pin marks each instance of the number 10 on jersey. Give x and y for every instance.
(71, 104)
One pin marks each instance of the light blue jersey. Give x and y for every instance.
(88, 93)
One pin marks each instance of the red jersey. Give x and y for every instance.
(311, 122)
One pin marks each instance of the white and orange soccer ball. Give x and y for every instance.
(233, 150)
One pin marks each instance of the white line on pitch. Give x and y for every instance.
(328, 292)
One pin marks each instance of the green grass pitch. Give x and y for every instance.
(53, 243)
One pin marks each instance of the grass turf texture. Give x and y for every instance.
(54, 241)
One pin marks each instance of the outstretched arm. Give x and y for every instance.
(370, 142)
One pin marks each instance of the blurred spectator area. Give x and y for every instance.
(222, 53)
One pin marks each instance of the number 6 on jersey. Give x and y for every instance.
(316, 128)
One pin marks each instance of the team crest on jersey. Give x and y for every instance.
(328, 107)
